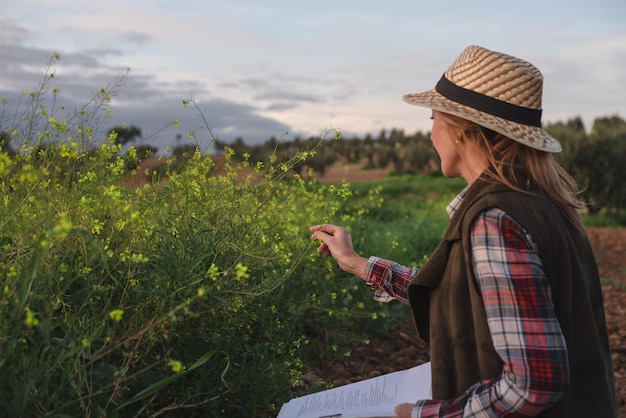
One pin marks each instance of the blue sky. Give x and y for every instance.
(274, 68)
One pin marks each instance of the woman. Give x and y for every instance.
(510, 302)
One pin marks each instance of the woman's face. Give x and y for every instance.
(446, 146)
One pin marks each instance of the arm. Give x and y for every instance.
(337, 242)
(391, 280)
(388, 278)
(524, 328)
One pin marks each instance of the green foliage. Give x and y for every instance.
(409, 154)
(124, 134)
(600, 165)
(409, 220)
(597, 161)
(110, 291)
(401, 218)
(572, 136)
(610, 219)
(38, 118)
(184, 297)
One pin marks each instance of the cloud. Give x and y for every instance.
(293, 96)
(583, 76)
(154, 113)
(281, 107)
(111, 35)
(12, 32)
(224, 119)
(262, 70)
(142, 100)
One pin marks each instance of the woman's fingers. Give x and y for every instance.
(319, 232)
(322, 249)
(403, 410)
(322, 227)
(327, 232)
(326, 229)
(337, 242)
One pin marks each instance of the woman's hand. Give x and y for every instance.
(337, 242)
(404, 410)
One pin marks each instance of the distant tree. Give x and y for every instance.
(141, 153)
(572, 136)
(183, 153)
(320, 161)
(600, 165)
(5, 144)
(385, 155)
(396, 137)
(145, 151)
(368, 141)
(419, 156)
(382, 137)
(125, 134)
(341, 150)
(355, 147)
(612, 127)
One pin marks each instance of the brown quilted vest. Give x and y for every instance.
(450, 317)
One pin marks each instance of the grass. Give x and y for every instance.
(410, 219)
(606, 219)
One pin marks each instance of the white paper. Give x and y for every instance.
(375, 397)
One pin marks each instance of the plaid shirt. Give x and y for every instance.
(525, 331)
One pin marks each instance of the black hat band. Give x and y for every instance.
(490, 105)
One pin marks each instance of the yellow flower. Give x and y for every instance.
(30, 320)
(241, 272)
(116, 315)
(63, 228)
(213, 272)
(176, 366)
(5, 163)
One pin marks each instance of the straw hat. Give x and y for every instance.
(494, 90)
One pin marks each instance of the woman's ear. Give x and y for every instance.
(458, 134)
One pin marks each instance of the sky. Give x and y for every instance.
(285, 68)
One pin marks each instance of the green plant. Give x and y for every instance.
(181, 297)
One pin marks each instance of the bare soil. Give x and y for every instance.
(402, 349)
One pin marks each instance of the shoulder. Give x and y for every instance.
(497, 226)
(528, 209)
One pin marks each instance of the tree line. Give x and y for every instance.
(596, 159)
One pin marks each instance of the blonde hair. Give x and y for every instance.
(519, 166)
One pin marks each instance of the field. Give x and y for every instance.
(402, 350)
(189, 286)
(193, 289)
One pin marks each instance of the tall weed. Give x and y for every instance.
(182, 297)
(199, 294)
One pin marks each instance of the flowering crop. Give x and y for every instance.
(112, 293)
(197, 292)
